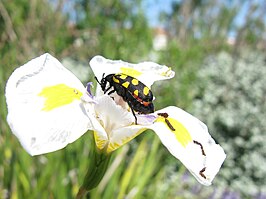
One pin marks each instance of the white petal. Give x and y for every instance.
(123, 135)
(146, 72)
(113, 125)
(146, 119)
(187, 139)
(111, 115)
(106, 117)
(44, 107)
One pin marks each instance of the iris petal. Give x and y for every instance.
(189, 141)
(41, 117)
(146, 72)
(123, 135)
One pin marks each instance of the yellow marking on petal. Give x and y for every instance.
(115, 80)
(113, 146)
(125, 84)
(100, 143)
(136, 92)
(123, 76)
(135, 82)
(58, 95)
(130, 71)
(181, 133)
(167, 73)
(146, 90)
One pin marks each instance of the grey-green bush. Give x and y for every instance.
(231, 100)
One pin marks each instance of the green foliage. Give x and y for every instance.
(231, 100)
(185, 62)
(28, 29)
(115, 29)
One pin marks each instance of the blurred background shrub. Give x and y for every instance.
(217, 49)
(231, 99)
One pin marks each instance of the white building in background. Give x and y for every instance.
(160, 39)
(231, 41)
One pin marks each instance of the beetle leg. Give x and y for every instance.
(105, 91)
(136, 122)
(112, 91)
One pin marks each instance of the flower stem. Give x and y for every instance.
(98, 165)
(82, 192)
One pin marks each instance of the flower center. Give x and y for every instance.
(110, 115)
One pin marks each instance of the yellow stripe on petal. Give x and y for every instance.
(130, 71)
(181, 133)
(167, 73)
(115, 145)
(58, 95)
(100, 143)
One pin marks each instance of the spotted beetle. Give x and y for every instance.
(138, 96)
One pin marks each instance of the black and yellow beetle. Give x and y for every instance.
(138, 96)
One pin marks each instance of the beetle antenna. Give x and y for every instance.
(97, 80)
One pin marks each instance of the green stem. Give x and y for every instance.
(98, 165)
(82, 192)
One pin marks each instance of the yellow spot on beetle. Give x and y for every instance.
(146, 90)
(136, 92)
(115, 80)
(181, 133)
(58, 95)
(125, 84)
(123, 76)
(130, 71)
(135, 82)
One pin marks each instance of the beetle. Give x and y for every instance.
(137, 95)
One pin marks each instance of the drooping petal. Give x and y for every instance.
(146, 72)
(188, 140)
(123, 135)
(45, 110)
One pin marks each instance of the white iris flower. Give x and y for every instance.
(48, 108)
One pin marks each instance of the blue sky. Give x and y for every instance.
(151, 7)
(154, 7)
